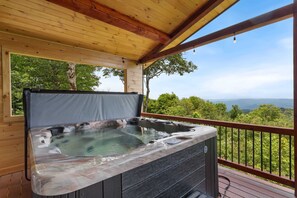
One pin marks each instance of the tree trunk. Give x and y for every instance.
(147, 85)
(71, 76)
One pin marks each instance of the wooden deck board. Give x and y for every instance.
(244, 189)
(15, 186)
(242, 186)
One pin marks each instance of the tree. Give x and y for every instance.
(235, 111)
(31, 72)
(107, 72)
(71, 76)
(174, 64)
(165, 101)
(221, 109)
(187, 105)
(267, 112)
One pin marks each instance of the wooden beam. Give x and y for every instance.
(248, 25)
(95, 10)
(194, 18)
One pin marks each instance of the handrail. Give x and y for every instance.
(270, 129)
(249, 147)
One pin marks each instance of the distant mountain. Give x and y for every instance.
(250, 104)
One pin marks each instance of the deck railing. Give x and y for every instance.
(264, 151)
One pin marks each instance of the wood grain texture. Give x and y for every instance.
(246, 185)
(133, 77)
(164, 15)
(11, 134)
(7, 114)
(205, 17)
(14, 185)
(188, 23)
(6, 84)
(110, 16)
(216, 12)
(48, 21)
(45, 20)
(248, 25)
(45, 49)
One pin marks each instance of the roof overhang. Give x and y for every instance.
(125, 29)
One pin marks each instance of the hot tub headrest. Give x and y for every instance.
(47, 107)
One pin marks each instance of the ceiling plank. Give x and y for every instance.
(191, 20)
(248, 25)
(95, 10)
(53, 50)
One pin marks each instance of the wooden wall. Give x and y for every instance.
(11, 138)
(11, 129)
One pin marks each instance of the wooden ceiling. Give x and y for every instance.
(131, 29)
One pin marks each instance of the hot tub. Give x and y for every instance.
(131, 157)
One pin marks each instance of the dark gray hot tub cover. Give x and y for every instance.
(46, 108)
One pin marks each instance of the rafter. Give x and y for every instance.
(190, 21)
(95, 10)
(248, 25)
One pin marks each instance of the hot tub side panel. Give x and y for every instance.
(173, 176)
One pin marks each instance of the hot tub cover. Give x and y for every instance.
(47, 108)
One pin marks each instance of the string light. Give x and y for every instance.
(234, 38)
(194, 51)
(123, 60)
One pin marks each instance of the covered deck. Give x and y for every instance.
(131, 35)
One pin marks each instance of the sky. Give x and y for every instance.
(258, 65)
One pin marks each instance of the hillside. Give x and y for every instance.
(250, 104)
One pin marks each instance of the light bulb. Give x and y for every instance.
(234, 37)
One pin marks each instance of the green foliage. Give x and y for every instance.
(174, 64)
(235, 150)
(107, 72)
(191, 107)
(165, 102)
(235, 112)
(267, 112)
(31, 72)
(198, 108)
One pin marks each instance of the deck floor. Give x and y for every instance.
(15, 186)
(242, 185)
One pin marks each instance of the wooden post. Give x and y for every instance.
(295, 89)
(133, 78)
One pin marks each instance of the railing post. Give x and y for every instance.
(295, 89)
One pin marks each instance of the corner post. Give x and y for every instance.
(133, 78)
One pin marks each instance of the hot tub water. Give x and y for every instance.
(105, 141)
